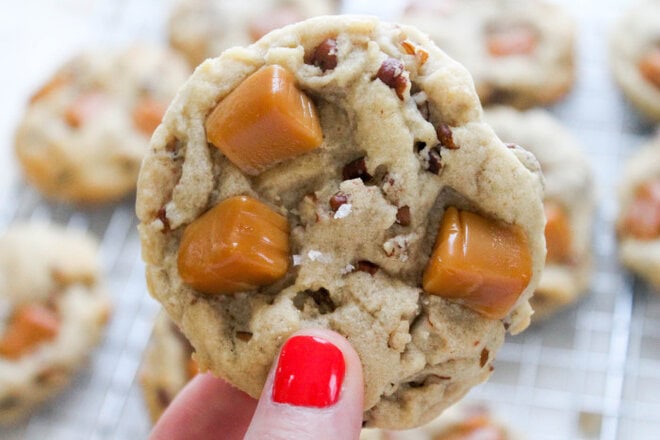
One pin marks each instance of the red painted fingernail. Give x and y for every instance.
(310, 372)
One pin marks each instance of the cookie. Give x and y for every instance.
(167, 366)
(569, 203)
(53, 310)
(638, 225)
(520, 53)
(462, 422)
(202, 29)
(366, 150)
(85, 132)
(635, 56)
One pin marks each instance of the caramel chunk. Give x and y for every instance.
(147, 114)
(649, 67)
(84, 108)
(642, 221)
(558, 235)
(265, 120)
(29, 326)
(478, 262)
(514, 40)
(240, 244)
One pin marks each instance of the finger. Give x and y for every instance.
(207, 408)
(314, 391)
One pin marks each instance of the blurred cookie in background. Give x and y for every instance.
(202, 29)
(568, 200)
(167, 366)
(53, 310)
(638, 226)
(519, 52)
(85, 131)
(635, 56)
(461, 422)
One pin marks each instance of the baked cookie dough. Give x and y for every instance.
(520, 53)
(635, 56)
(202, 29)
(638, 225)
(462, 422)
(52, 313)
(333, 213)
(167, 366)
(85, 132)
(569, 203)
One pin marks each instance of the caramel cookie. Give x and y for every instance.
(638, 224)
(461, 422)
(52, 313)
(568, 200)
(635, 56)
(167, 366)
(338, 174)
(202, 29)
(519, 53)
(84, 133)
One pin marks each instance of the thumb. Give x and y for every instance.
(314, 391)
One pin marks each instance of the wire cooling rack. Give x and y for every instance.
(592, 372)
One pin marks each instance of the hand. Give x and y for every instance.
(313, 391)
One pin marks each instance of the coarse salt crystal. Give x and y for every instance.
(297, 259)
(343, 210)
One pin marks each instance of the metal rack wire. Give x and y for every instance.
(592, 372)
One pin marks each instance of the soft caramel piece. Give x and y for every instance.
(147, 114)
(265, 120)
(642, 220)
(28, 326)
(558, 236)
(649, 67)
(237, 245)
(264, 23)
(514, 40)
(478, 262)
(84, 108)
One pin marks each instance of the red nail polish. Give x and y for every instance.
(310, 372)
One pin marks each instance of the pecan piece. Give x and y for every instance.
(367, 266)
(356, 169)
(445, 136)
(403, 215)
(391, 73)
(337, 200)
(435, 161)
(324, 56)
(162, 216)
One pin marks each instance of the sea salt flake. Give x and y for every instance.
(343, 210)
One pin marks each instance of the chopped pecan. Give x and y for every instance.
(445, 136)
(403, 215)
(324, 56)
(337, 200)
(367, 266)
(356, 169)
(391, 72)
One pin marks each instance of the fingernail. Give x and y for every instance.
(309, 373)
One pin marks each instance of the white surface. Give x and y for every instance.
(599, 361)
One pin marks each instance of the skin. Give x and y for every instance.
(210, 408)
